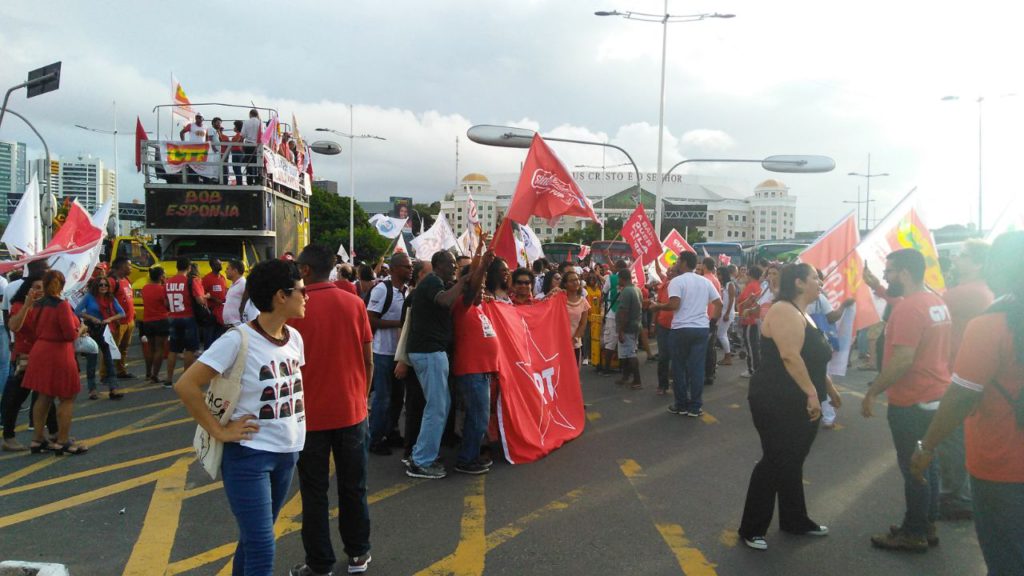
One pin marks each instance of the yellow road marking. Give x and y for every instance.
(93, 472)
(729, 538)
(708, 419)
(734, 406)
(468, 558)
(690, 559)
(287, 522)
(630, 468)
(133, 428)
(509, 531)
(78, 419)
(156, 539)
(193, 492)
(592, 416)
(80, 499)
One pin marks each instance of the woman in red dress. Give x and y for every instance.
(52, 370)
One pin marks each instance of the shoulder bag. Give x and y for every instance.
(221, 400)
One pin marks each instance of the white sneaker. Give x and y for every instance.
(745, 374)
(757, 543)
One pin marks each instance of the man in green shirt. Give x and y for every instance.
(627, 322)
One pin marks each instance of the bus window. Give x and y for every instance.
(617, 251)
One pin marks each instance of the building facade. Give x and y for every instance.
(731, 216)
(13, 171)
(84, 178)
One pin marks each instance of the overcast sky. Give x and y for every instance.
(787, 77)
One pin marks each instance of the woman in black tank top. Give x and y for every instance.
(785, 401)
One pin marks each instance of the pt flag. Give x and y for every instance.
(640, 235)
(904, 227)
(835, 254)
(540, 405)
(182, 105)
(546, 189)
(77, 235)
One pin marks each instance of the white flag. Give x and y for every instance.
(439, 237)
(24, 233)
(343, 253)
(531, 244)
(387, 226)
(466, 244)
(400, 245)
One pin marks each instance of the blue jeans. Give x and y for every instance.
(689, 348)
(998, 509)
(432, 371)
(908, 425)
(380, 404)
(350, 450)
(476, 394)
(92, 360)
(955, 493)
(256, 483)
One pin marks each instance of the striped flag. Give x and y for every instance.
(182, 105)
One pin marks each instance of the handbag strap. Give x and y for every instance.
(235, 380)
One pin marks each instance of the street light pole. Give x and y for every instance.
(351, 173)
(665, 19)
(48, 201)
(867, 196)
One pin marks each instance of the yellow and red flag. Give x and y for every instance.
(184, 153)
(182, 105)
(904, 227)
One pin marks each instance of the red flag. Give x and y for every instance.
(546, 189)
(140, 135)
(637, 271)
(76, 235)
(504, 243)
(541, 405)
(835, 255)
(639, 233)
(677, 243)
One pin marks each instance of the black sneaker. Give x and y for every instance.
(359, 564)
(394, 439)
(126, 375)
(474, 468)
(433, 472)
(695, 413)
(677, 411)
(380, 449)
(305, 570)
(168, 384)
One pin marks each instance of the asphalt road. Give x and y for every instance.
(640, 492)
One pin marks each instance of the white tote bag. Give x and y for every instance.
(221, 400)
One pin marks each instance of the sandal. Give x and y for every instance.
(94, 395)
(115, 395)
(40, 447)
(72, 448)
(636, 386)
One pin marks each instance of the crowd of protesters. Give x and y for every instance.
(352, 361)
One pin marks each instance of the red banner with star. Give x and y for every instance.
(540, 403)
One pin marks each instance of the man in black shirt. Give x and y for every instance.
(430, 334)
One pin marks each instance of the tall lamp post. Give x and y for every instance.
(603, 172)
(351, 174)
(48, 201)
(665, 19)
(867, 197)
(980, 100)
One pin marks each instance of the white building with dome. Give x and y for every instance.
(768, 214)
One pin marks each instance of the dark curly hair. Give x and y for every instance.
(267, 278)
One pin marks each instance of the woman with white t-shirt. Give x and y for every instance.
(268, 429)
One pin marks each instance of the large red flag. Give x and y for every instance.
(540, 406)
(76, 235)
(504, 243)
(835, 255)
(639, 233)
(546, 189)
(140, 135)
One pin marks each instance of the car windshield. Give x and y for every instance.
(205, 248)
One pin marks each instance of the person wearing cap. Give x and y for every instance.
(195, 131)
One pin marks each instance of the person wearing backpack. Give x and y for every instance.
(386, 307)
(986, 396)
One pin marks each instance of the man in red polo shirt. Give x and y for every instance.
(339, 359)
(915, 375)
(120, 268)
(184, 329)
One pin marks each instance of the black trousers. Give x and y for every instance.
(752, 341)
(415, 401)
(350, 447)
(13, 398)
(786, 437)
(711, 360)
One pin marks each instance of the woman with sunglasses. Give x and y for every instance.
(522, 286)
(267, 429)
(98, 310)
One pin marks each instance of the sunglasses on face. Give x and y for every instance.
(301, 290)
(522, 282)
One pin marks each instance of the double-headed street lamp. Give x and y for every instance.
(665, 19)
(980, 100)
(351, 173)
(867, 176)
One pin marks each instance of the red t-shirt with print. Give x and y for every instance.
(476, 342)
(921, 321)
(179, 300)
(154, 303)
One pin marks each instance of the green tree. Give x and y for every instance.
(592, 232)
(328, 215)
